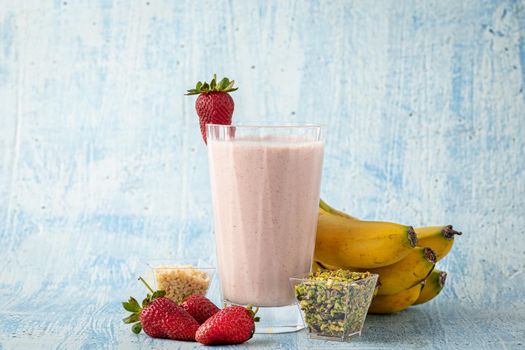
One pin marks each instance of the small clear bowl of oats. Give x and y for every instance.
(181, 280)
(334, 304)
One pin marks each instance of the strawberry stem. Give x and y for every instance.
(253, 313)
(146, 284)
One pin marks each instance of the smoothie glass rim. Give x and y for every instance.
(269, 125)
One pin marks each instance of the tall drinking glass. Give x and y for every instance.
(265, 182)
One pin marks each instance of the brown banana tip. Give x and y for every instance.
(430, 255)
(412, 236)
(449, 233)
(442, 278)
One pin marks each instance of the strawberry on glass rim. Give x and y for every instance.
(214, 104)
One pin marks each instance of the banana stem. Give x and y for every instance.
(442, 278)
(430, 255)
(412, 237)
(448, 232)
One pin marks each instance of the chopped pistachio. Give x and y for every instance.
(335, 302)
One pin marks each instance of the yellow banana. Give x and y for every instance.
(345, 242)
(432, 286)
(439, 238)
(387, 304)
(324, 206)
(407, 272)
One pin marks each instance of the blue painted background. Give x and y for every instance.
(102, 166)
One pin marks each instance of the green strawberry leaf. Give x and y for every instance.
(127, 306)
(224, 85)
(131, 305)
(131, 318)
(146, 301)
(136, 328)
(221, 85)
(158, 294)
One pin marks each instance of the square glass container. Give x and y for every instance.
(181, 280)
(334, 310)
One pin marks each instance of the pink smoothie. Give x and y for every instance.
(265, 199)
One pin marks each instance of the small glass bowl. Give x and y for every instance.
(334, 310)
(181, 280)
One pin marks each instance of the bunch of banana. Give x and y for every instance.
(403, 257)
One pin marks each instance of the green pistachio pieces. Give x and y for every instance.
(335, 303)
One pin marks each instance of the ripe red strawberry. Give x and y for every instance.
(160, 317)
(163, 318)
(199, 307)
(214, 105)
(232, 325)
